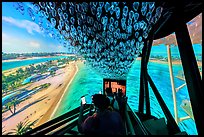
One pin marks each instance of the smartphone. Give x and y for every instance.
(83, 100)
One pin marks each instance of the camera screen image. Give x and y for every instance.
(112, 86)
(83, 100)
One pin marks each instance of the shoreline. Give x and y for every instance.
(40, 106)
(66, 89)
(13, 70)
(49, 99)
(30, 58)
(175, 62)
(51, 111)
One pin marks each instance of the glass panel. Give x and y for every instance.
(161, 75)
(159, 72)
(38, 83)
(195, 31)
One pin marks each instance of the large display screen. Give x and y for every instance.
(111, 86)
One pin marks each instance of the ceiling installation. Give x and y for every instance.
(108, 35)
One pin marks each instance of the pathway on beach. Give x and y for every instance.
(41, 105)
(50, 112)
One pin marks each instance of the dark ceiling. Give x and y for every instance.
(173, 12)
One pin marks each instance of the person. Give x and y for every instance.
(113, 102)
(109, 92)
(122, 100)
(103, 121)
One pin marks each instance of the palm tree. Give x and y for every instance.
(19, 71)
(23, 127)
(9, 105)
(38, 68)
(27, 69)
(15, 101)
(32, 68)
(4, 87)
(52, 73)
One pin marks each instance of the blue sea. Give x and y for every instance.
(161, 50)
(88, 81)
(14, 64)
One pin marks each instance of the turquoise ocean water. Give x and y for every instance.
(161, 50)
(14, 64)
(88, 81)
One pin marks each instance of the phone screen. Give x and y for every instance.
(83, 100)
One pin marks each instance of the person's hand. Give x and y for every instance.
(82, 107)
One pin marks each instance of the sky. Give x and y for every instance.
(21, 35)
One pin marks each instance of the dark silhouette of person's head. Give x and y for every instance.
(114, 93)
(100, 101)
(109, 92)
(120, 93)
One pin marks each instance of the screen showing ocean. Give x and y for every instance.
(89, 81)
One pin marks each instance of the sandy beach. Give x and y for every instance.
(10, 71)
(42, 104)
(11, 60)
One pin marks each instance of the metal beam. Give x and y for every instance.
(147, 54)
(192, 75)
(141, 95)
(144, 90)
(147, 101)
(190, 67)
(172, 83)
(145, 83)
(171, 124)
